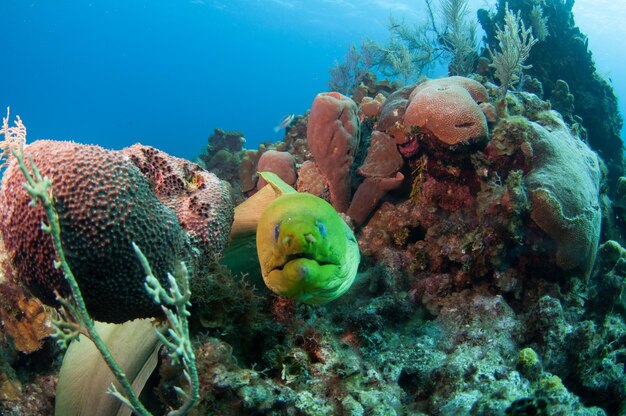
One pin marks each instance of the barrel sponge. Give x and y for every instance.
(564, 188)
(201, 201)
(333, 138)
(104, 203)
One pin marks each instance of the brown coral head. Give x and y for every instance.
(104, 203)
(448, 108)
(201, 201)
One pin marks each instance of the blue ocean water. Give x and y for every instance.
(166, 73)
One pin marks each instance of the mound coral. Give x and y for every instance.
(104, 203)
(333, 137)
(449, 109)
(201, 201)
(563, 186)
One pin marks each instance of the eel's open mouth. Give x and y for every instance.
(298, 256)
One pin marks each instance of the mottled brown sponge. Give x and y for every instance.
(202, 202)
(104, 203)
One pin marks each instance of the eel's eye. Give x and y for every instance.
(322, 228)
(276, 232)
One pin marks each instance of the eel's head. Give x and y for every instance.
(305, 249)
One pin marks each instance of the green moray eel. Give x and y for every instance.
(306, 250)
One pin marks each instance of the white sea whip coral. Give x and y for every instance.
(515, 42)
(14, 138)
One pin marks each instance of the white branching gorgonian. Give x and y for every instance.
(514, 42)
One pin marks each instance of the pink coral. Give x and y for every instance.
(474, 88)
(202, 202)
(310, 180)
(282, 164)
(333, 137)
(380, 168)
(448, 110)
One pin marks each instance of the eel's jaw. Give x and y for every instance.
(304, 279)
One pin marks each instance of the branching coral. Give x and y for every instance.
(459, 37)
(515, 42)
(14, 137)
(408, 54)
(539, 22)
(412, 50)
(346, 75)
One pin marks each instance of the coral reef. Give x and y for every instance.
(468, 302)
(595, 103)
(486, 285)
